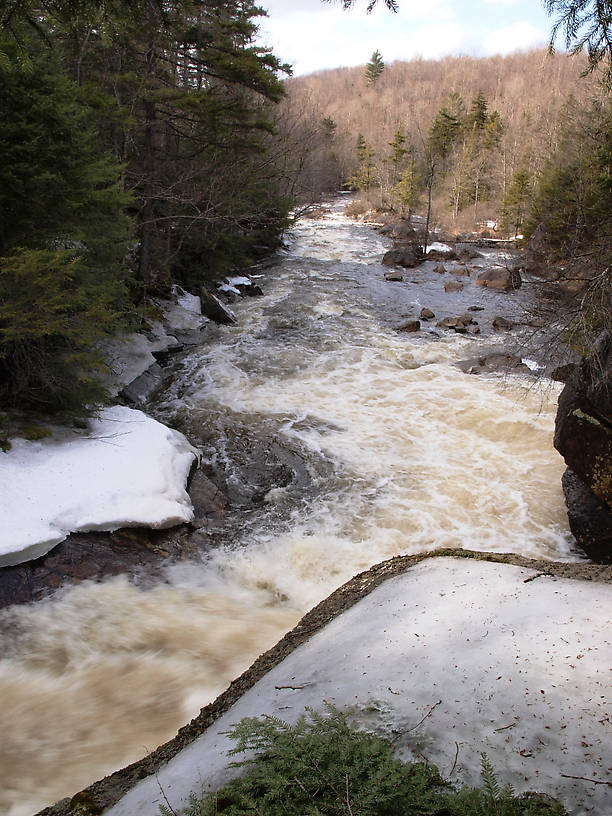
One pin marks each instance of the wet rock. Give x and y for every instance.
(427, 314)
(409, 326)
(590, 519)
(465, 252)
(439, 255)
(453, 286)
(475, 308)
(403, 256)
(459, 324)
(494, 363)
(146, 386)
(394, 276)
(501, 278)
(91, 556)
(460, 270)
(502, 324)
(440, 269)
(208, 501)
(214, 309)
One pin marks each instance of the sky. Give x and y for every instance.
(312, 35)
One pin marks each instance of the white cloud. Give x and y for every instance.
(515, 37)
(312, 36)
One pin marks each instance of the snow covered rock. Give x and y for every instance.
(127, 470)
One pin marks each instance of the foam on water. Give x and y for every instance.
(420, 456)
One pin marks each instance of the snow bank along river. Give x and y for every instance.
(397, 451)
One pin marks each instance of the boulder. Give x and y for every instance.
(427, 314)
(440, 269)
(465, 252)
(441, 255)
(453, 286)
(214, 309)
(590, 519)
(407, 257)
(394, 276)
(460, 270)
(145, 387)
(494, 363)
(502, 324)
(409, 326)
(208, 501)
(583, 425)
(500, 277)
(459, 324)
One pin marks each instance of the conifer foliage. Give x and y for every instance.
(374, 68)
(141, 157)
(323, 766)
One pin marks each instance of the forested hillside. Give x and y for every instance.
(480, 122)
(136, 150)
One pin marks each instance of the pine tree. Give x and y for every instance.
(364, 177)
(516, 201)
(374, 68)
(63, 238)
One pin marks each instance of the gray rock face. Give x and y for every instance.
(500, 278)
(583, 436)
(589, 517)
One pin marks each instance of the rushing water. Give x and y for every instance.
(392, 450)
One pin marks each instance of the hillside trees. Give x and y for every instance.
(572, 214)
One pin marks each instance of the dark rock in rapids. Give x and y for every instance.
(460, 270)
(409, 326)
(494, 363)
(465, 252)
(502, 323)
(407, 257)
(394, 276)
(590, 519)
(214, 309)
(500, 277)
(427, 314)
(453, 286)
(208, 501)
(440, 269)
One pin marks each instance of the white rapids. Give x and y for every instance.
(417, 455)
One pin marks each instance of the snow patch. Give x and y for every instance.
(438, 247)
(128, 470)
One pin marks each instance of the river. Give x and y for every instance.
(340, 442)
